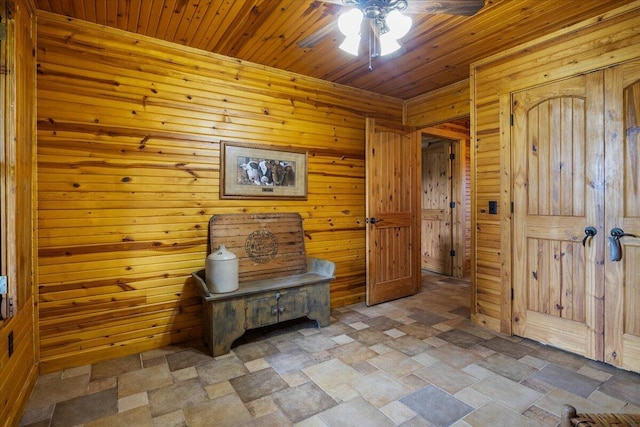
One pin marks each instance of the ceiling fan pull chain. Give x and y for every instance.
(372, 39)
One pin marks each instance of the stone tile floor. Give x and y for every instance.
(417, 361)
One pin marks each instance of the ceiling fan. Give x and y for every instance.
(385, 21)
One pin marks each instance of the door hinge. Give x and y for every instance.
(452, 205)
(512, 295)
(452, 156)
(511, 119)
(511, 207)
(8, 308)
(452, 253)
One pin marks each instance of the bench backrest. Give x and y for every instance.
(268, 245)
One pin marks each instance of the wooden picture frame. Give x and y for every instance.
(256, 171)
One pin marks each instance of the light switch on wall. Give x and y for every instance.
(3, 284)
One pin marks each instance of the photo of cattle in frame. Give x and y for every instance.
(256, 171)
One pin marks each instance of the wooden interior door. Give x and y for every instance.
(436, 224)
(558, 191)
(622, 286)
(393, 226)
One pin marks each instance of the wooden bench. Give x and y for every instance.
(277, 281)
(570, 418)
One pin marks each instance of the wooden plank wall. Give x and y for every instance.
(597, 43)
(18, 372)
(446, 104)
(129, 130)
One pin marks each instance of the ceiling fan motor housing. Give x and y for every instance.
(377, 9)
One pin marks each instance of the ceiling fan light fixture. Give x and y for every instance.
(388, 44)
(385, 25)
(398, 24)
(351, 44)
(350, 22)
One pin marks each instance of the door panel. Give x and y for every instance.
(622, 331)
(558, 282)
(436, 211)
(393, 238)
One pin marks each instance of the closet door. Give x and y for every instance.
(436, 225)
(558, 195)
(622, 297)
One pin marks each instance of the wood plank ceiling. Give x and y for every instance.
(436, 52)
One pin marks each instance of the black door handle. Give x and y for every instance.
(619, 232)
(615, 248)
(374, 220)
(588, 232)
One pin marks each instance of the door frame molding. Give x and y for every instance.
(506, 223)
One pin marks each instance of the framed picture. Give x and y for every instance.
(256, 171)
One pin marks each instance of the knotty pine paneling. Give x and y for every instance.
(129, 132)
(590, 45)
(18, 372)
(446, 104)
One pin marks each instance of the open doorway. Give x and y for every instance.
(446, 207)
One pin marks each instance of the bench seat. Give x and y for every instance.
(318, 271)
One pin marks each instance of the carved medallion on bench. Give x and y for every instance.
(277, 281)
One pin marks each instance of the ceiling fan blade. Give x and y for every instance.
(314, 38)
(450, 7)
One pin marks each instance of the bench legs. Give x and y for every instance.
(318, 301)
(224, 323)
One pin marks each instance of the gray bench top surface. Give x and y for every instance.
(262, 285)
(318, 271)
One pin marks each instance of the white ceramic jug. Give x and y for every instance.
(221, 271)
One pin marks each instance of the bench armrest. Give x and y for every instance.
(321, 267)
(200, 282)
